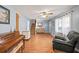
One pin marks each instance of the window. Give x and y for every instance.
(58, 25)
(62, 24)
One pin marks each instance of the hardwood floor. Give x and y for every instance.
(39, 43)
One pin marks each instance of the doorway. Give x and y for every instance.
(17, 22)
(33, 26)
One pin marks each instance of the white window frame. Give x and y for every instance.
(62, 23)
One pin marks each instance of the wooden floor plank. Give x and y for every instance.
(39, 43)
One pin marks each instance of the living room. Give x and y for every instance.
(56, 27)
(39, 29)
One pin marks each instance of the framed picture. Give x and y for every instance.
(4, 15)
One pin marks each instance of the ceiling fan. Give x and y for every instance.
(46, 13)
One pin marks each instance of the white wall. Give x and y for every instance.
(52, 27)
(23, 22)
(6, 27)
(74, 21)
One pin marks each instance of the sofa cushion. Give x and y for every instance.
(74, 38)
(72, 34)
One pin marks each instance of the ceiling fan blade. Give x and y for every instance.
(43, 13)
(50, 13)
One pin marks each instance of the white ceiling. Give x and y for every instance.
(31, 11)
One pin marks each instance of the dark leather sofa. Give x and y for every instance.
(70, 43)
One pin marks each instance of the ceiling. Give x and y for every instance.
(32, 11)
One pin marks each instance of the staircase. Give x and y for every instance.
(33, 29)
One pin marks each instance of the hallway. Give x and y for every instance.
(39, 43)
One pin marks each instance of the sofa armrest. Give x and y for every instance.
(63, 46)
(62, 42)
(65, 38)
